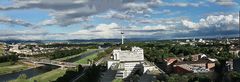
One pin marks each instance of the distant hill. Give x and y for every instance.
(101, 40)
(73, 40)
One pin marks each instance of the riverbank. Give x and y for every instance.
(85, 60)
(48, 76)
(73, 56)
(56, 73)
(8, 67)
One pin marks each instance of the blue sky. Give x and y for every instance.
(94, 19)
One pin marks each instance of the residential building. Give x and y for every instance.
(194, 66)
(126, 61)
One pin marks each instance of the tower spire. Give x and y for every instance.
(122, 33)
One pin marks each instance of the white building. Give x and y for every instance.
(14, 48)
(136, 54)
(126, 61)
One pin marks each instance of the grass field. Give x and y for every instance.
(5, 64)
(85, 60)
(45, 77)
(49, 76)
(1, 49)
(6, 68)
(69, 57)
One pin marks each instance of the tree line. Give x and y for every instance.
(61, 53)
(8, 58)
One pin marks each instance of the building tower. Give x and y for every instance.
(122, 36)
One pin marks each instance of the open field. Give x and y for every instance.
(6, 67)
(48, 76)
(45, 77)
(85, 60)
(1, 49)
(69, 57)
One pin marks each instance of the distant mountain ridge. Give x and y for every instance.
(10, 41)
(74, 40)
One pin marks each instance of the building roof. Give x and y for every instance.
(170, 60)
(194, 62)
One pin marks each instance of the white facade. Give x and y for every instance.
(126, 61)
(136, 54)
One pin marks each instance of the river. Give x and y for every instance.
(29, 72)
(39, 70)
(83, 55)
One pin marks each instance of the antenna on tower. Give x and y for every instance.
(122, 33)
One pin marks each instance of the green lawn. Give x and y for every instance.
(1, 49)
(69, 57)
(6, 68)
(85, 60)
(49, 76)
(5, 64)
(45, 77)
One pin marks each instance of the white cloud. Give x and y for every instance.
(101, 31)
(226, 22)
(224, 2)
(175, 4)
(158, 27)
(7, 20)
(116, 15)
(67, 12)
(137, 8)
(160, 21)
(113, 30)
(29, 34)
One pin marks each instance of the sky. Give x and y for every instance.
(105, 19)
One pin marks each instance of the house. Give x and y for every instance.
(194, 66)
(171, 60)
(197, 57)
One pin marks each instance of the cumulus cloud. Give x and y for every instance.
(166, 21)
(175, 4)
(137, 8)
(113, 30)
(116, 15)
(101, 31)
(224, 2)
(29, 34)
(66, 12)
(225, 22)
(7, 20)
(211, 26)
